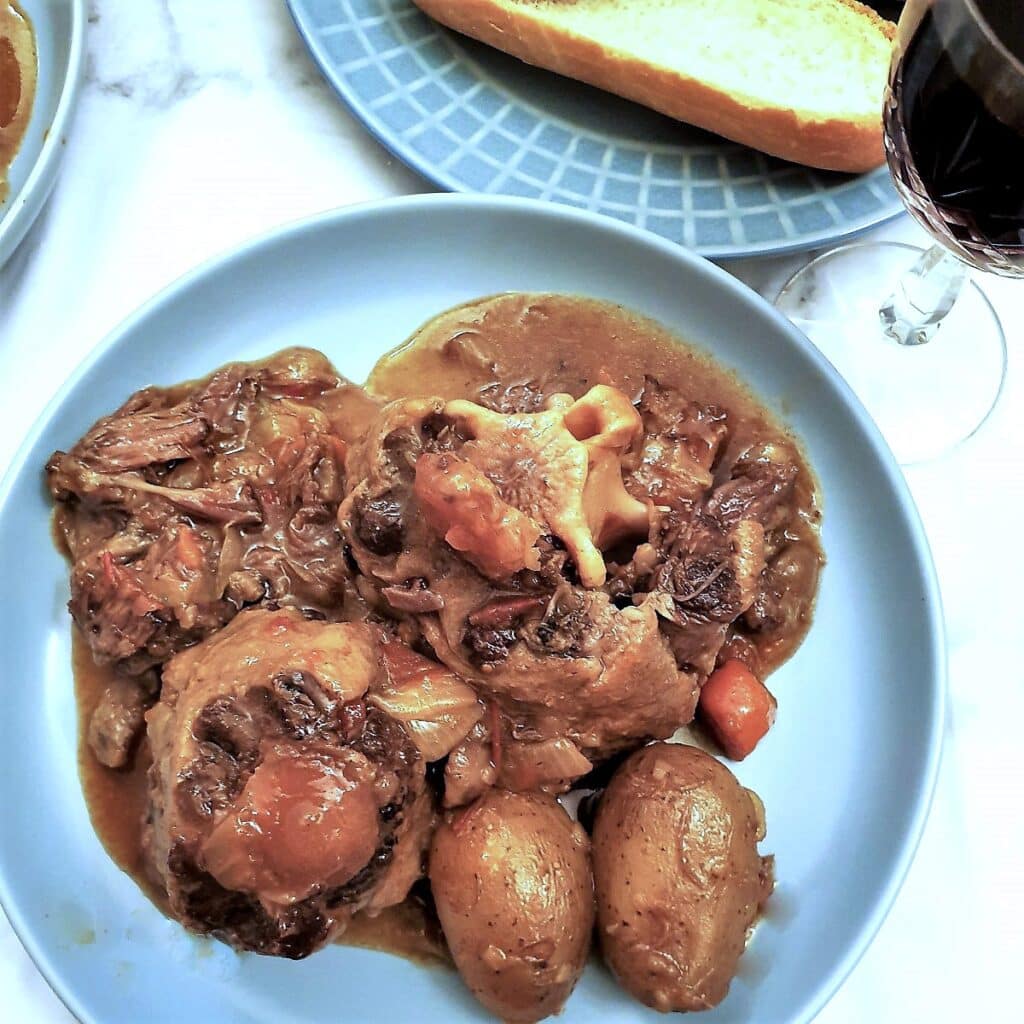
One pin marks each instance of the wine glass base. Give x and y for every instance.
(926, 399)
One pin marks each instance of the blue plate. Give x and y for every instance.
(60, 33)
(472, 119)
(846, 774)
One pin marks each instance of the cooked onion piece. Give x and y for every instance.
(437, 707)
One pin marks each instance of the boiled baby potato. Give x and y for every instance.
(511, 879)
(678, 877)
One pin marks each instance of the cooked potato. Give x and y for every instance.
(678, 877)
(512, 883)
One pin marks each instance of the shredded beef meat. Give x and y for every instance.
(118, 719)
(783, 601)
(713, 573)
(135, 614)
(145, 431)
(189, 503)
(711, 551)
(682, 441)
(759, 487)
(563, 630)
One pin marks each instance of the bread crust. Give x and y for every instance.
(833, 144)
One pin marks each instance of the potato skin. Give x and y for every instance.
(678, 876)
(514, 892)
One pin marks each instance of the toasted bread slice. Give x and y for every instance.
(800, 79)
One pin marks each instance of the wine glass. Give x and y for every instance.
(914, 336)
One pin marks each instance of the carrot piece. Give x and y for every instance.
(737, 707)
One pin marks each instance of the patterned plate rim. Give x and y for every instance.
(442, 178)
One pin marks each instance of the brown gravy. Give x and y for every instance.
(550, 343)
(116, 797)
(409, 929)
(544, 342)
(18, 67)
(117, 806)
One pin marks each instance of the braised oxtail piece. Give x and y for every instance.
(282, 799)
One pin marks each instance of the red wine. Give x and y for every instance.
(955, 129)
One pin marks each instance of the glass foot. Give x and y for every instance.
(925, 398)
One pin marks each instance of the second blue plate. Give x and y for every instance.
(472, 119)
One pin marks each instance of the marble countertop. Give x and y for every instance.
(202, 123)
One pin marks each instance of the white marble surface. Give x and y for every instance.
(202, 122)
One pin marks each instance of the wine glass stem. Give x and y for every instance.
(923, 296)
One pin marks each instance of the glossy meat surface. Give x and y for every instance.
(192, 502)
(281, 798)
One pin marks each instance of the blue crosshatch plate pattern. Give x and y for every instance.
(472, 119)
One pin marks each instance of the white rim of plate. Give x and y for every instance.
(25, 205)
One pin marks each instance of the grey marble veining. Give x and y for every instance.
(158, 52)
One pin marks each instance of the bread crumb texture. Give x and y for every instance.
(822, 59)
